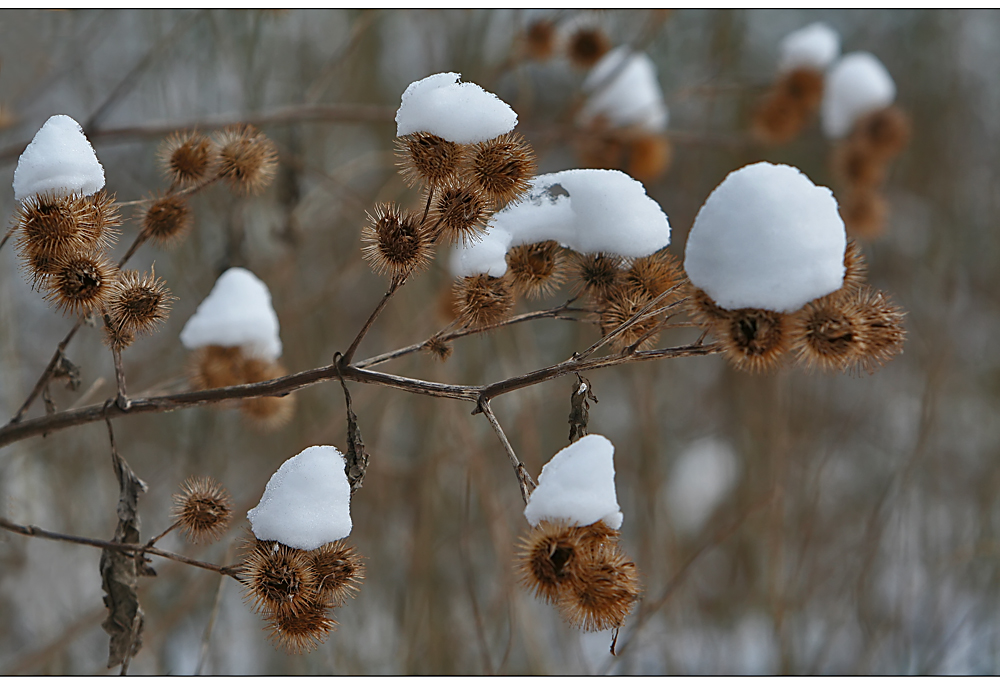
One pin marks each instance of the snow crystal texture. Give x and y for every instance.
(237, 313)
(587, 210)
(307, 502)
(578, 486)
(767, 238)
(812, 47)
(624, 90)
(703, 475)
(459, 112)
(855, 86)
(59, 160)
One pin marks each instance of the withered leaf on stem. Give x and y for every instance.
(119, 570)
(356, 461)
(68, 370)
(579, 413)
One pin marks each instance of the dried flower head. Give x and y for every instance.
(81, 282)
(302, 629)
(704, 311)
(503, 167)
(439, 348)
(855, 268)
(824, 334)
(598, 273)
(548, 558)
(203, 509)
(279, 577)
(864, 212)
(778, 119)
(459, 212)
(167, 220)
(215, 366)
(139, 303)
(804, 86)
(620, 306)
(53, 226)
(248, 159)
(855, 164)
(536, 270)
(482, 300)
(879, 328)
(649, 157)
(425, 158)
(38, 267)
(102, 216)
(586, 46)
(339, 570)
(116, 337)
(755, 340)
(395, 242)
(603, 591)
(884, 133)
(540, 40)
(188, 158)
(654, 275)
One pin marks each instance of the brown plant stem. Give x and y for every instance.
(345, 360)
(524, 480)
(43, 381)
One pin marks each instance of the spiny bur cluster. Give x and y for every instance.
(296, 591)
(582, 571)
(852, 329)
(247, 160)
(217, 366)
(202, 509)
(790, 104)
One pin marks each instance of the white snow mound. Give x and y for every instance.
(587, 210)
(623, 88)
(578, 486)
(767, 238)
(307, 502)
(58, 160)
(855, 86)
(237, 313)
(700, 479)
(812, 47)
(456, 111)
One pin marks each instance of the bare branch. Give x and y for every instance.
(523, 477)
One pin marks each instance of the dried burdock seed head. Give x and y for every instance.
(427, 159)
(270, 412)
(395, 242)
(188, 158)
(38, 267)
(167, 220)
(649, 157)
(597, 273)
(300, 630)
(203, 508)
(654, 275)
(439, 348)
(602, 592)
(248, 159)
(459, 212)
(139, 303)
(214, 366)
(116, 337)
(540, 40)
(778, 119)
(586, 46)
(279, 577)
(339, 571)
(548, 558)
(755, 340)
(52, 226)
(856, 165)
(864, 212)
(621, 305)
(599, 533)
(81, 282)
(704, 311)
(824, 334)
(884, 133)
(102, 216)
(879, 330)
(855, 267)
(536, 270)
(503, 167)
(804, 86)
(482, 300)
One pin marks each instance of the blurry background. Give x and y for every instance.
(791, 523)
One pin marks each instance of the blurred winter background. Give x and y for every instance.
(792, 523)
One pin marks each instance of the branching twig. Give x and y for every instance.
(523, 477)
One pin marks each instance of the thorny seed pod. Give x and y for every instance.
(788, 106)
(425, 158)
(879, 328)
(649, 157)
(654, 275)
(803, 86)
(137, 303)
(339, 571)
(540, 40)
(38, 267)
(482, 300)
(598, 273)
(586, 46)
(755, 340)
(824, 335)
(459, 211)
(439, 348)
(81, 282)
(248, 159)
(102, 215)
(167, 220)
(268, 412)
(203, 509)
(536, 270)
(395, 242)
(855, 164)
(214, 366)
(864, 212)
(548, 557)
(621, 305)
(855, 268)
(503, 167)
(116, 337)
(52, 226)
(302, 629)
(188, 158)
(278, 577)
(703, 310)
(602, 592)
(884, 133)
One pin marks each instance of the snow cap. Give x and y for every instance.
(587, 210)
(58, 160)
(459, 112)
(307, 502)
(812, 47)
(856, 85)
(767, 238)
(578, 486)
(624, 89)
(237, 313)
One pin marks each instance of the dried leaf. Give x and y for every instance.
(579, 413)
(356, 458)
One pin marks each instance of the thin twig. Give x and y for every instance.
(393, 287)
(46, 375)
(524, 480)
(621, 328)
(211, 619)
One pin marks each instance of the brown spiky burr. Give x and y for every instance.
(248, 160)
(203, 509)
